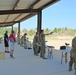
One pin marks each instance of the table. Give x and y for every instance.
(50, 50)
(66, 51)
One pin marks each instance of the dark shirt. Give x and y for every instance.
(5, 37)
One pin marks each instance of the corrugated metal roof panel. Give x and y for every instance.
(21, 16)
(41, 3)
(24, 4)
(12, 5)
(7, 4)
(3, 17)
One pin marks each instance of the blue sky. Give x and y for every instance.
(61, 14)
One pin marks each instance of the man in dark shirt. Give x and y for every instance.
(6, 42)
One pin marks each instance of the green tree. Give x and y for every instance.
(55, 30)
(31, 32)
(47, 30)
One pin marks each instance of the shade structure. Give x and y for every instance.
(14, 11)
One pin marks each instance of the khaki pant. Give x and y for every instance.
(42, 50)
(72, 61)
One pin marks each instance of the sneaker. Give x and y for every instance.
(44, 58)
(8, 52)
(11, 56)
(5, 51)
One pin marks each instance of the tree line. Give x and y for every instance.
(58, 31)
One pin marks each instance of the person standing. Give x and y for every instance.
(25, 44)
(42, 43)
(6, 44)
(73, 55)
(12, 41)
(35, 42)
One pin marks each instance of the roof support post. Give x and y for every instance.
(39, 21)
(12, 27)
(18, 36)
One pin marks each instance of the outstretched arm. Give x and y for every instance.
(49, 33)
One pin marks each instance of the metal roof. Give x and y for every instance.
(14, 11)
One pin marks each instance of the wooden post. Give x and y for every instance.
(12, 27)
(18, 33)
(39, 22)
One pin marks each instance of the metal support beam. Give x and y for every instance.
(12, 27)
(9, 22)
(16, 4)
(18, 33)
(12, 9)
(39, 22)
(27, 17)
(4, 12)
(30, 7)
(49, 3)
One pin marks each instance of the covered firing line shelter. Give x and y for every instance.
(16, 11)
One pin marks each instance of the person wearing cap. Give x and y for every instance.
(25, 44)
(42, 43)
(6, 44)
(35, 42)
(12, 41)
